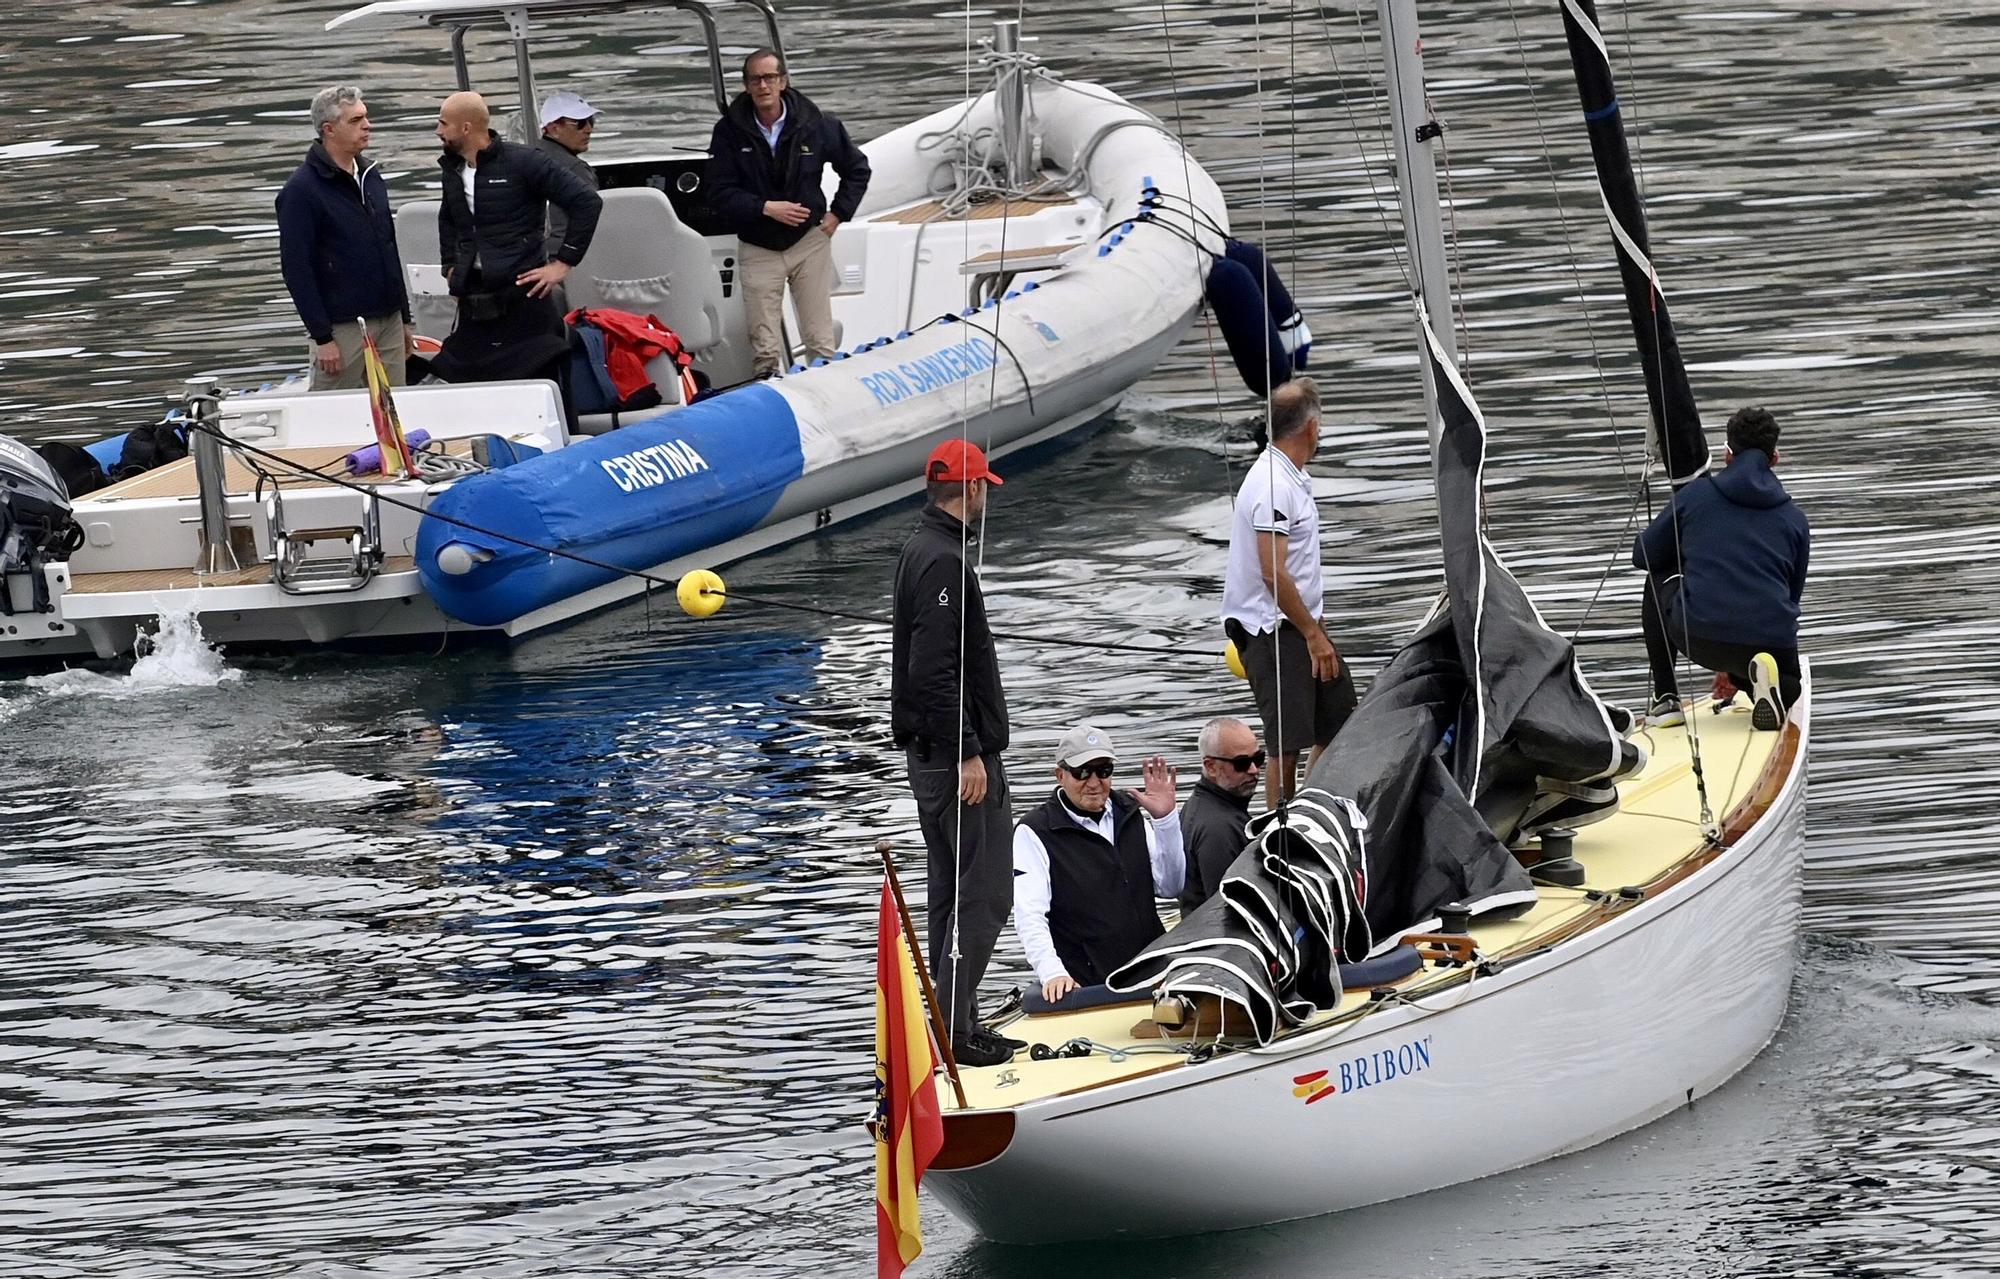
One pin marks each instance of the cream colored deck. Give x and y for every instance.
(184, 579)
(1656, 835)
(992, 210)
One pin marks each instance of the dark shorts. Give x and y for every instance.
(1312, 710)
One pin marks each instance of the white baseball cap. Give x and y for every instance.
(565, 106)
(1084, 743)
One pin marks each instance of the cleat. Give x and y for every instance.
(1767, 709)
(1665, 712)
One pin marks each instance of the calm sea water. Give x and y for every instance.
(555, 961)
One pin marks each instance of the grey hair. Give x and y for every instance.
(1292, 406)
(330, 102)
(1211, 733)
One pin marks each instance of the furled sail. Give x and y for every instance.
(1479, 732)
(1678, 437)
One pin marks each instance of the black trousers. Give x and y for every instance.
(1660, 618)
(971, 870)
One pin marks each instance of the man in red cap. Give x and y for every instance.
(950, 717)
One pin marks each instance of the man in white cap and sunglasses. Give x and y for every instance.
(1089, 862)
(567, 123)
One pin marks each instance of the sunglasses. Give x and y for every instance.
(588, 122)
(1241, 763)
(1084, 772)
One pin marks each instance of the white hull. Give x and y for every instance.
(1603, 1033)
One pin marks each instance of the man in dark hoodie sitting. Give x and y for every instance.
(1726, 566)
(766, 162)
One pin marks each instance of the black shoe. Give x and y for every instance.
(977, 1048)
(1011, 1045)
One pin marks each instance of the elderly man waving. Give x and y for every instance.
(1089, 862)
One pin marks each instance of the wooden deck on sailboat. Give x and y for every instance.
(1654, 841)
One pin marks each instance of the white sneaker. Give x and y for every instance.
(1767, 709)
(1665, 712)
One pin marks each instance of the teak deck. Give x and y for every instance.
(176, 479)
(994, 210)
(184, 579)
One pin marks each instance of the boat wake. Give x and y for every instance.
(175, 655)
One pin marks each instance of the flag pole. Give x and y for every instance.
(938, 1032)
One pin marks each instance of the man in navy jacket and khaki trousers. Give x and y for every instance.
(337, 248)
(765, 165)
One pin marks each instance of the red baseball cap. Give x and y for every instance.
(960, 461)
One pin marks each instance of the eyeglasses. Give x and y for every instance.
(588, 122)
(1241, 763)
(764, 79)
(1084, 772)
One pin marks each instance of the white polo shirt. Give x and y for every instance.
(1276, 497)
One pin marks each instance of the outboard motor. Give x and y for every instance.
(36, 528)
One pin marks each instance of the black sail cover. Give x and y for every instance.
(1479, 731)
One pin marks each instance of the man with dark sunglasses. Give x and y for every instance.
(1089, 862)
(1215, 815)
(567, 124)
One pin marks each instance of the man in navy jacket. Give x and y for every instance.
(1725, 568)
(337, 248)
(766, 162)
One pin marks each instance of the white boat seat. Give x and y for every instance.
(433, 311)
(644, 259)
(666, 375)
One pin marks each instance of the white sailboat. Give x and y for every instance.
(1626, 988)
(1020, 261)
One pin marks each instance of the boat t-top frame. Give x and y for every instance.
(517, 19)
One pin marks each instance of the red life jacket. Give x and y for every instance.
(630, 342)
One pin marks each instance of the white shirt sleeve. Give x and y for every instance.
(1164, 848)
(1031, 905)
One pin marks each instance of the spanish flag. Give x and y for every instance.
(388, 427)
(908, 1127)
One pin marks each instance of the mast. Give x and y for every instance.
(1677, 433)
(1413, 130)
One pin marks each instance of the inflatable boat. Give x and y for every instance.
(1020, 261)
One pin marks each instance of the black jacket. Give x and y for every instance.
(1743, 547)
(934, 592)
(1101, 911)
(337, 244)
(558, 221)
(744, 171)
(504, 228)
(1212, 833)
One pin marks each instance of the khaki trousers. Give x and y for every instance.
(387, 330)
(808, 267)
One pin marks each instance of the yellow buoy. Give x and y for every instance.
(701, 593)
(1234, 658)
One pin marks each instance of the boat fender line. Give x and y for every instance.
(1267, 338)
(638, 496)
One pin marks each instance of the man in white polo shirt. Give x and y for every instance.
(1272, 597)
